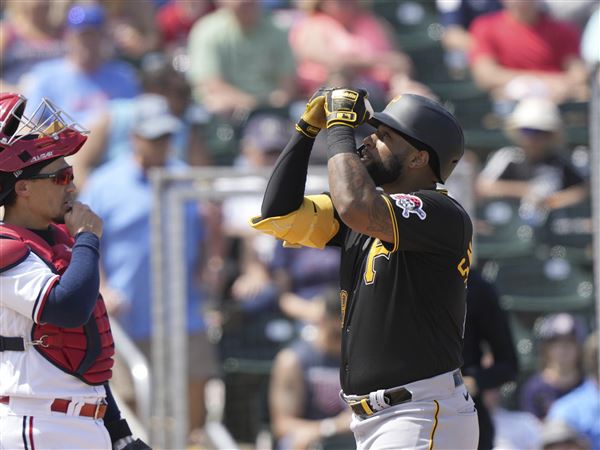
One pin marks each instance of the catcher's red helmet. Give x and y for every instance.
(45, 135)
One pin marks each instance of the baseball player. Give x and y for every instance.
(56, 347)
(406, 251)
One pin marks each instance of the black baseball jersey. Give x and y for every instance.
(403, 303)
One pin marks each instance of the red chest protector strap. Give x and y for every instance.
(86, 351)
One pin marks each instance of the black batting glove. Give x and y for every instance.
(347, 106)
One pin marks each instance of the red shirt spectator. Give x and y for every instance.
(521, 52)
(542, 46)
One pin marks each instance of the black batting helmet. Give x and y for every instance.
(427, 125)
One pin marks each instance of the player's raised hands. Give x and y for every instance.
(347, 106)
(81, 218)
(313, 119)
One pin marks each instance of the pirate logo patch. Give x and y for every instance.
(410, 204)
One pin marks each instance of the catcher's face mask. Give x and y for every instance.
(28, 140)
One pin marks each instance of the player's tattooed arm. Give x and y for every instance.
(356, 199)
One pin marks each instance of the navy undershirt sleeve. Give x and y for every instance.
(72, 299)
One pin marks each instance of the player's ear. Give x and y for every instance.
(22, 188)
(418, 159)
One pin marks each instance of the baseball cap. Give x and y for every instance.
(535, 113)
(85, 16)
(267, 132)
(559, 325)
(152, 117)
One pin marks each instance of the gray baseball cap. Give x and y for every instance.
(153, 118)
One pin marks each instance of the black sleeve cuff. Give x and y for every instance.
(118, 430)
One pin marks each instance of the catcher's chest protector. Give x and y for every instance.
(85, 352)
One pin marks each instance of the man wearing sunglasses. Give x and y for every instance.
(56, 346)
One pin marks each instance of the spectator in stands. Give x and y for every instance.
(175, 19)
(580, 409)
(514, 430)
(456, 17)
(340, 43)
(27, 37)
(86, 78)
(121, 194)
(301, 274)
(557, 435)
(111, 133)
(533, 169)
(240, 60)
(264, 137)
(486, 326)
(131, 24)
(304, 391)
(522, 51)
(559, 337)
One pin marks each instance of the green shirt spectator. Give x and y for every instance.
(240, 59)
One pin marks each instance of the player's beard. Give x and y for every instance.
(383, 174)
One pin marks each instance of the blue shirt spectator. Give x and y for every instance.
(581, 410)
(85, 95)
(121, 195)
(85, 79)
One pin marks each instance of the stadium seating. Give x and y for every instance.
(500, 231)
(531, 284)
(567, 233)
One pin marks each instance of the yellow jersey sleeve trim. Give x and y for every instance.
(396, 242)
(312, 225)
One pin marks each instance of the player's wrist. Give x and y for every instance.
(340, 139)
(122, 443)
(308, 130)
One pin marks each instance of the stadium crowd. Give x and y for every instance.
(217, 83)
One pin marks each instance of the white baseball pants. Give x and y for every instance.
(439, 416)
(36, 430)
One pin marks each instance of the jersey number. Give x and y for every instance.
(464, 266)
(377, 249)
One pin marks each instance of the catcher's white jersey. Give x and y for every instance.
(23, 291)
